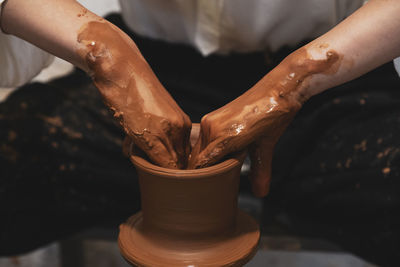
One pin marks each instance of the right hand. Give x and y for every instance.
(147, 112)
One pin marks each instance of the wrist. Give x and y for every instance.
(307, 70)
(104, 50)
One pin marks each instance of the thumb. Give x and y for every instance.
(261, 159)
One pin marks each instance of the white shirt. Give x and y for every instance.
(211, 26)
(19, 60)
(222, 26)
(397, 65)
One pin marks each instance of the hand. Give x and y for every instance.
(147, 112)
(260, 116)
(257, 118)
(165, 138)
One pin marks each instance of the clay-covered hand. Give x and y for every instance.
(258, 117)
(146, 111)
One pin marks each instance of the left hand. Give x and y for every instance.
(257, 118)
(260, 116)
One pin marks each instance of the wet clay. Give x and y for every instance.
(156, 124)
(263, 112)
(145, 110)
(189, 217)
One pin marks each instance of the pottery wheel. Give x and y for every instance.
(144, 248)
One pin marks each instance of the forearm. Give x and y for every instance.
(51, 25)
(367, 39)
(68, 30)
(127, 83)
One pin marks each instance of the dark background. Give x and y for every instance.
(335, 170)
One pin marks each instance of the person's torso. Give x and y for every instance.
(235, 25)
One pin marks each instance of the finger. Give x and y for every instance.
(175, 138)
(195, 151)
(159, 152)
(188, 144)
(198, 138)
(181, 144)
(260, 172)
(204, 153)
(212, 153)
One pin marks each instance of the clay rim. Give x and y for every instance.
(146, 166)
(218, 168)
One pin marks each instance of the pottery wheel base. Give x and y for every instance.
(146, 249)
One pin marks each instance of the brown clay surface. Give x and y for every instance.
(143, 249)
(189, 217)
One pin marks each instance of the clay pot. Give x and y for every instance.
(189, 217)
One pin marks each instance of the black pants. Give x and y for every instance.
(335, 170)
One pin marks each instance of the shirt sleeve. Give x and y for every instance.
(20, 61)
(396, 62)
